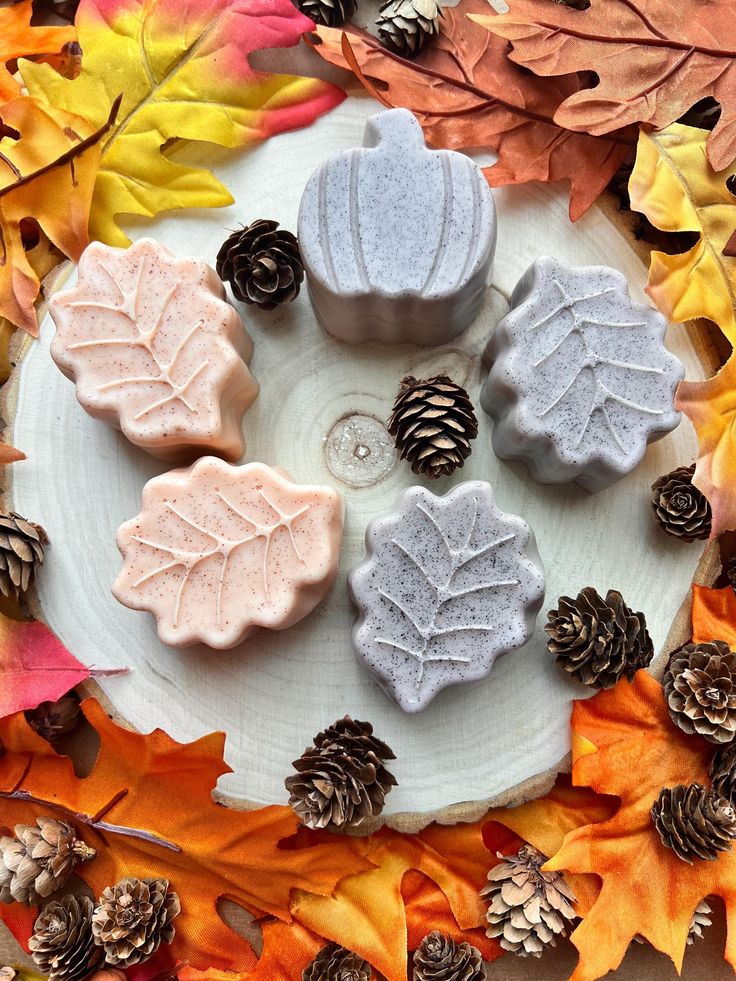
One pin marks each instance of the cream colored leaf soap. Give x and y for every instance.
(580, 380)
(218, 551)
(397, 240)
(156, 351)
(448, 584)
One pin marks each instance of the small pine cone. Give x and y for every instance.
(723, 772)
(39, 860)
(432, 424)
(404, 26)
(54, 719)
(730, 571)
(598, 641)
(133, 918)
(62, 944)
(335, 963)
(262, 263)
(528, 908)
(331, 13)
(440, 958)
(700, 688)
(22, 545)
(694, 821)
(341, 780)
(681, 510)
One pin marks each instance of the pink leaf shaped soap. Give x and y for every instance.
(155, 350)
(449, 583)
(580, 379)
(397, 240)
(218, 551)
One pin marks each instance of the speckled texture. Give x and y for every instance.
(397, 240)
(218, 551)
(155, 350)
(580, 379)
(449, 583)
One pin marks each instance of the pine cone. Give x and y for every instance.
(335, 963)
(598, 641)
(53, 719)
(433, 423)
(528, 908)
(22, 546)
(331, 13)
(62, 944)
(133, 918)
(694, 822)
(730, 571)
(341, 780)
(439, 958)
(262, 263)
(404, 26)
(723, 772)
(700, 688)
(39, 860)
(681, 510)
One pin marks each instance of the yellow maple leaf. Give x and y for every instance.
(183, 71)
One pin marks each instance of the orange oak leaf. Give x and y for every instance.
(627, 746)
(18, 40)
(287, 950)
(146, 806)
(467, 93)
(653, 60)
(9, 454)
(711, 406)
(714, 614)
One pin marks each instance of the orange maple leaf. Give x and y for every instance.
(18, 39)
(714, 614)
(147, 808)
(627, 746)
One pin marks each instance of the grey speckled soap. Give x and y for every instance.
(397, 240)
(580, 380)
(449, 583)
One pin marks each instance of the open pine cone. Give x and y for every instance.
(723, 772)
(528, 908)
(39, 860)
(694, 821)
(700, 688)
(335, 963)
(440, 958)
(62, 944)
(262, 263)
(22, 545)
(341, 780)
(681, 510)
(598, 641)
(133, 918)
(331, 13)
(432, 424)
(404, 26)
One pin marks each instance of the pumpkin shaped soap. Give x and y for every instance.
(397, 240)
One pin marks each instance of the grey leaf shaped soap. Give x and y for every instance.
(397, 240)
(449, 583)
(580, 380)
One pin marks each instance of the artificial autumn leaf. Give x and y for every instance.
(714, 614)
(466, 93)
(654, 61)
(182, 68)
(18, 40)
(48, 163)
(627, 746)
(711, 405)
(147, 808)
(9, 454)
(287, 950)
(677, 189)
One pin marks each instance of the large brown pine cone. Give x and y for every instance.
(405, 26)
(331, 13)
(53, 719)
(694, 821)
(723, 772)
(335, 963)
(341, 780)
(440, 958)
(681, 510)
(432, 423)
(62, 944)
(528, 908)
(598, 641)
(133, 918)
(39, 860)
(262, 263)
(700, 688)
(22, 545)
